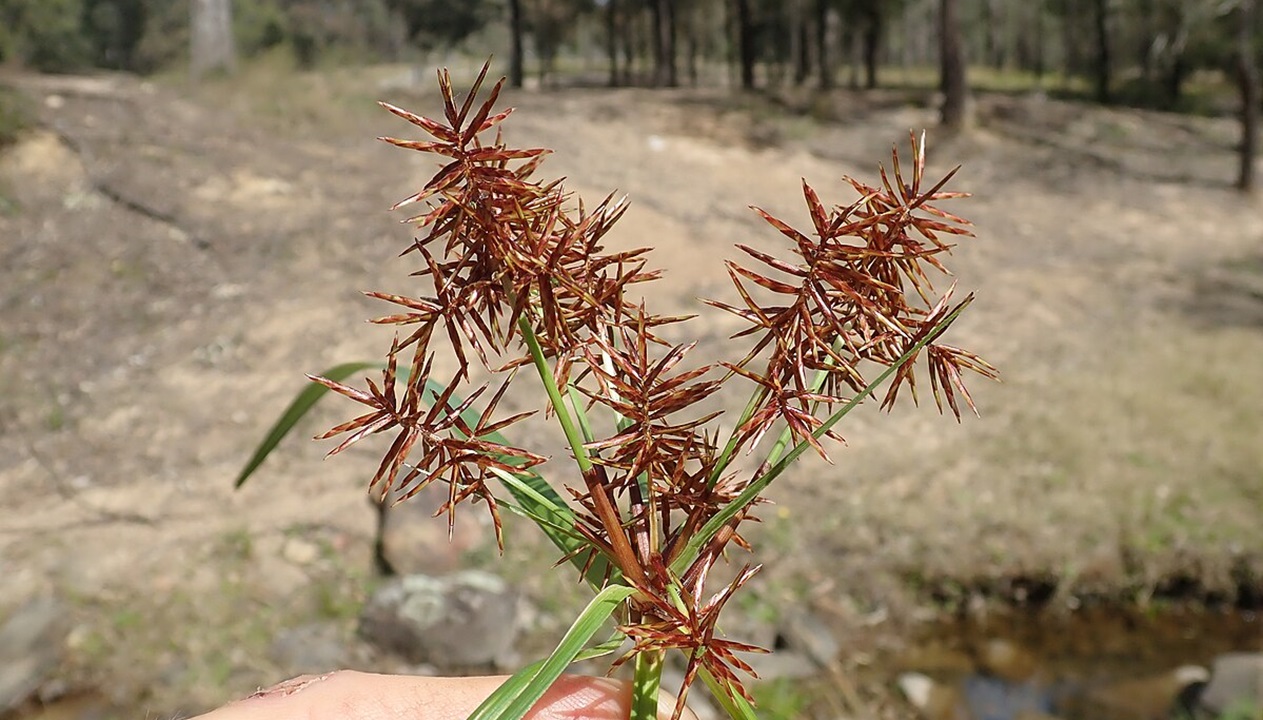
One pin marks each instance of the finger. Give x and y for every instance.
(347, 695)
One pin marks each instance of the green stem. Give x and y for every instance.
(645, 685)
(568, 425)
(725, 457)
(623, 555)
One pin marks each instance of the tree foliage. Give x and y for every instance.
(44, 34)
(441, 23)
(552, 23)
(1141, 52)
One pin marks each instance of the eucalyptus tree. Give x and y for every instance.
(211, 44)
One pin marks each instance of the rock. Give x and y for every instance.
(412, 541)
(932, 700)
(808, 634)
(977, 697)
(1145, 698)
(782, 664)
(992, 698)
(1236, 679)
(1234, 688)
(31, 643)
(314, 648)
(462, 621)
(1006, 660)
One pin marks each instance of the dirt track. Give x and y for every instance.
(180, 258)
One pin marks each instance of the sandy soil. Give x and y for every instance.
(180, 256)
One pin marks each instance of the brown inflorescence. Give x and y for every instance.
(518, 276)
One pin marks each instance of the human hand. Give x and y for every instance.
(347, 695)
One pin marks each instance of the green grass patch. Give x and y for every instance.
(15, 115)
(780, 699)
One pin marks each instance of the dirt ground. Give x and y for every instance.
(178, 257)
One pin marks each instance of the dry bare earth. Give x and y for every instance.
(179, 258)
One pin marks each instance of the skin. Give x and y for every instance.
(348, 695)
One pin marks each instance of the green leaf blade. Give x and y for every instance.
(513, 699)
(297, 410)
(733, 703)
(541, 503)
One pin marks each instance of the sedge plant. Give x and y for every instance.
(513, 276)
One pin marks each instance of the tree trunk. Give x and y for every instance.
(1248, 83)
(611, 39)
(1040, 61)
(854, 54)
(692, 46)
(1072, 33)
(800, 42)
(632, 44)
(992, 52)
(1144, 43)
(1103, 69)
(663, 32)
(1173, 81)
(669, 33)
(516, 72)
(873, 30)
(745, 43)
(823, 57)
(211, 46)
(952, 67)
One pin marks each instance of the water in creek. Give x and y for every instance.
(1096, 663)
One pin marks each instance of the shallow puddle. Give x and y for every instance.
(1096, 663)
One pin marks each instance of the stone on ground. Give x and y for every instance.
(463, 621)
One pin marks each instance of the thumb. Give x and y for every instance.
(348, 695)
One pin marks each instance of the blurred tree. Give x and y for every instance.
(516, 30)
(443, 23)
(46, 35)
(868, 18)
(211, 44)
(1102, 61)
(955, 87)
(702, 25)
(800, 40)
(873, 15)
(746, 51)
(165, 41)
(259, 25)
(353, 28)
(115, 29)
(773, 27)
(992, 21)
(1248, 85)
(663, 13)
(614, 29)
(824, 42)
(552, 24)
(1185, 35)
(1145, 30)
(1072, 18)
